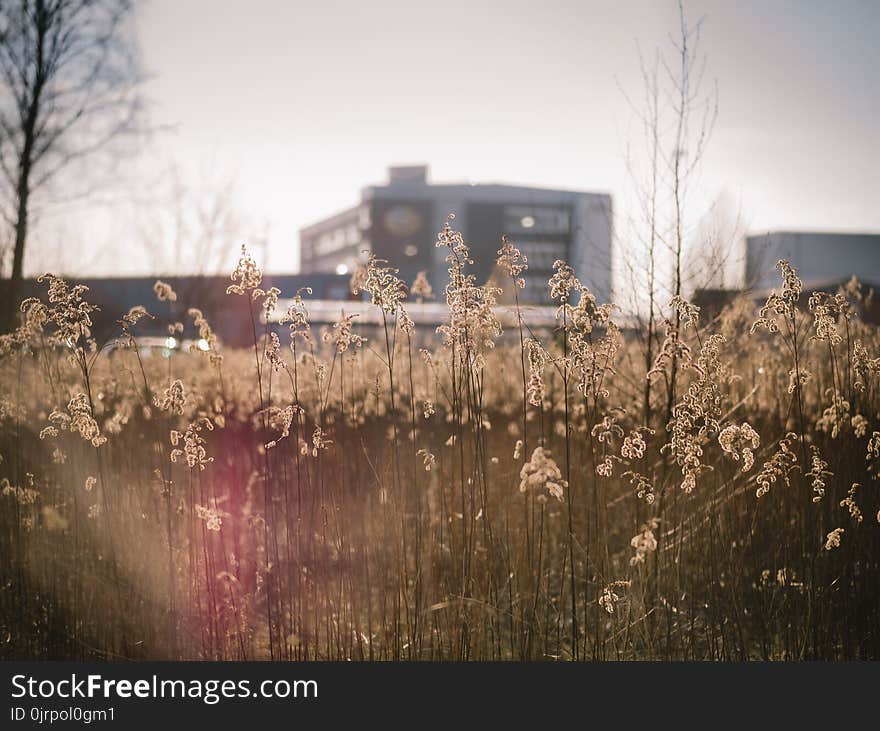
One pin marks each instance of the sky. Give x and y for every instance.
(293, 107)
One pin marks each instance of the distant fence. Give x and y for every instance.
(426, 314)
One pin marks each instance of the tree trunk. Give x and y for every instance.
(25, 165)
(21, 229)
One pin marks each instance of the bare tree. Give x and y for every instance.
(68, 86)
(191, 223)
(643, 168)
(715, 257)
(690, 106)
(675, 118)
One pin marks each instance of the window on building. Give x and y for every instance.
(542, 254)
(536, 220)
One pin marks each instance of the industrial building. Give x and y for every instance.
(398, 221)
(820, 258)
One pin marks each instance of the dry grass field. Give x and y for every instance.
(461, 495)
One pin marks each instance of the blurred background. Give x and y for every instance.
(276, 123)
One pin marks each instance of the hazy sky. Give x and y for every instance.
(304, 103)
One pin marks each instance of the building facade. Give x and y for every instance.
(820, 258)
(399, 222)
